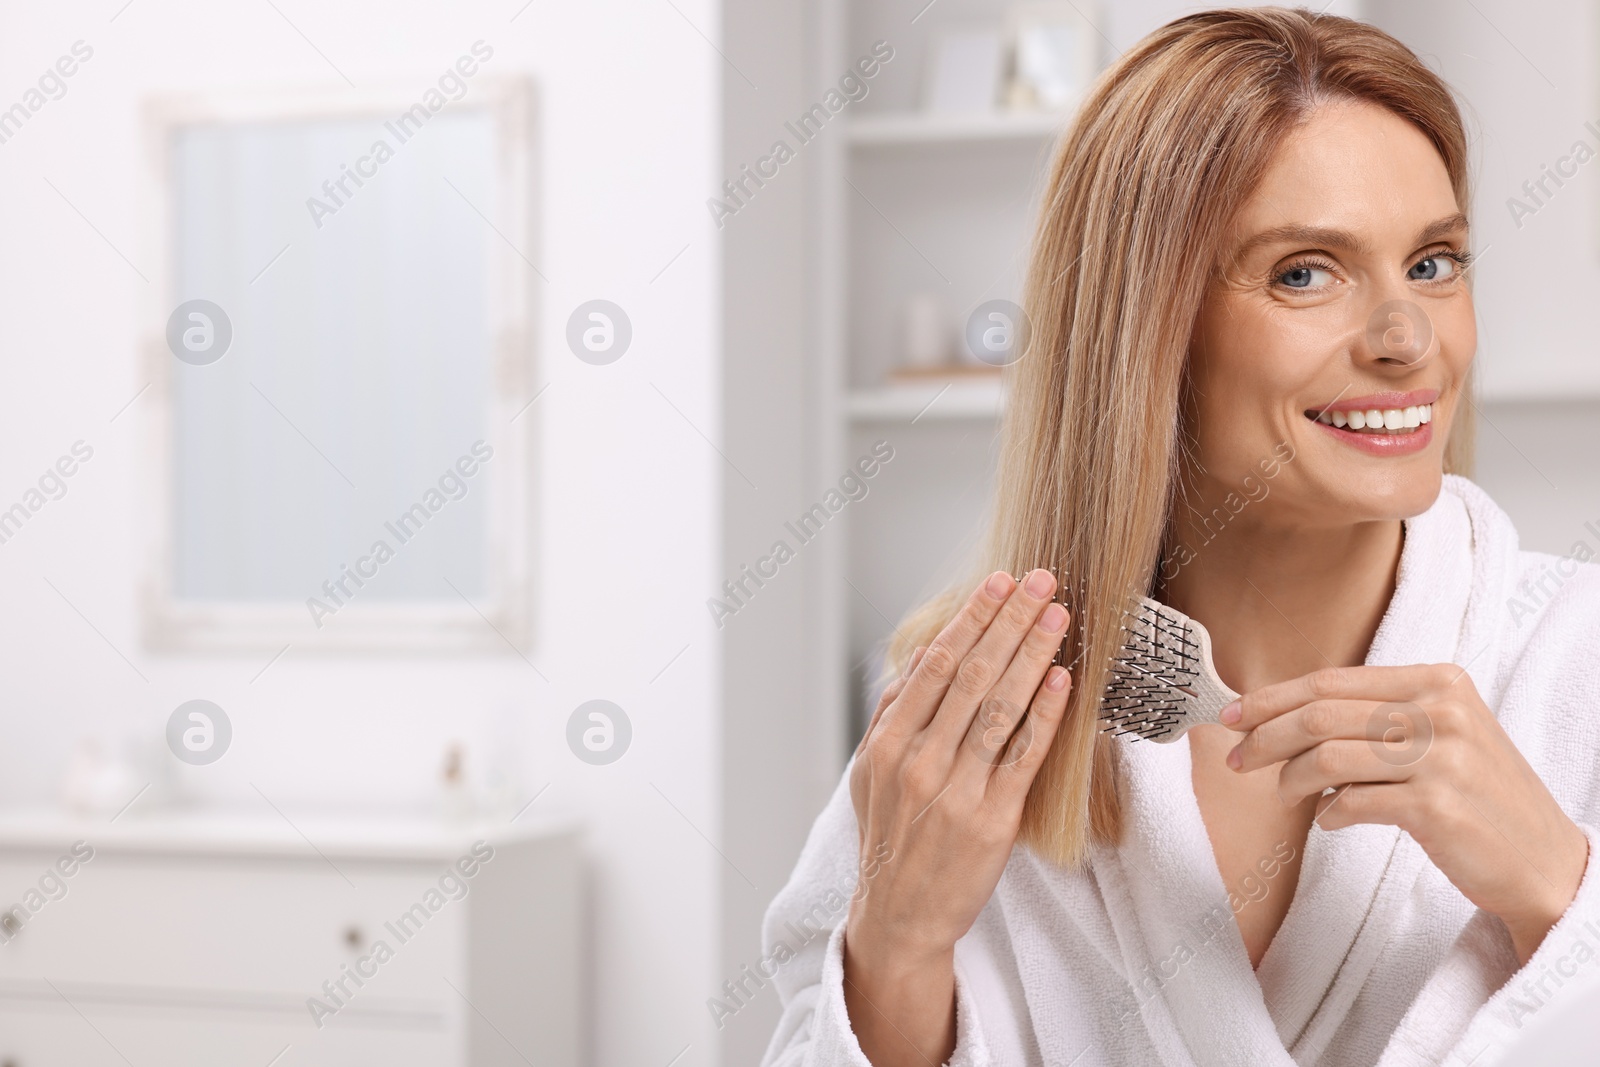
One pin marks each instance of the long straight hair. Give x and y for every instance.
(1168, 145)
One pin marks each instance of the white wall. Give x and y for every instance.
(1526, 73)
(781, 746)
(1526, 77)
(628, 489)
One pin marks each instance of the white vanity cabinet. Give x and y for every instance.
(201, 940)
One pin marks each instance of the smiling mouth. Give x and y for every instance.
(1377, 421)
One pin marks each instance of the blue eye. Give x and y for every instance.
(1305, 276)
(1429, 270)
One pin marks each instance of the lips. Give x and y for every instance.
(1385, 424)
(1378, 420)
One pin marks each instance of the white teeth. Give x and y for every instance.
(1386, 420)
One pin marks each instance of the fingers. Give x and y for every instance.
(980, 672)
(1332, 764)
(1001, 708)
(1341, 683)
(1025, 754)
(1385, 804)
(1295, 731)
(928, 683)
(890, 693)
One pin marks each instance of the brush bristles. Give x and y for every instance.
(1159, 659)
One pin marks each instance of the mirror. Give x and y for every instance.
(341, 356)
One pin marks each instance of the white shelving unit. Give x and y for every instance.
(917, 128)
(916, 402)
(908, 204)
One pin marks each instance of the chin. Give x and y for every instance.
(1365, 488)
(1376, 464)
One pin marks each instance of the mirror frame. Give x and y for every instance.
(502, 622)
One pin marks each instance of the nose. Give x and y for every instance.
(1400, 334)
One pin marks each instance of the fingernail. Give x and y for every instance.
(1232, 713)
(1235, 757)
(1040, 583)
(1053, 619)
(1056, 680)
(916, 658)
(1000, 585)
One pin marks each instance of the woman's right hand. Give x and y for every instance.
(938, 786)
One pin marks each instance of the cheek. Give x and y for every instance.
(1458, 338)
(1246, 361)
(1457, 329)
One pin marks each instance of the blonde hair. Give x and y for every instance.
(1170, 142)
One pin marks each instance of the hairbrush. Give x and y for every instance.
(1163, 680)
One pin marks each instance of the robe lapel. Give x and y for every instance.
(1353, 881)
(1199, 998)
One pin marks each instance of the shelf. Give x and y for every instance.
(919, 128)
(923, 402)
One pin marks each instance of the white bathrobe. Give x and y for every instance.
(1380, 960)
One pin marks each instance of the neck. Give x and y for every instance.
(1282, 598)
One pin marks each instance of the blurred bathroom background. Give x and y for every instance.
(402, 404)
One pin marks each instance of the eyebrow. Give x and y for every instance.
(1343, 239)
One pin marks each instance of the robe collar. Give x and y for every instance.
(1180, 945)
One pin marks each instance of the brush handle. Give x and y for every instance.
(1210, 695)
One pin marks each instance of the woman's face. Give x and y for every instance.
(1344, 296)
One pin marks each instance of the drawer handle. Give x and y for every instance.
(352, 937)
(12, 926)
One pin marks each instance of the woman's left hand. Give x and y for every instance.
(1416, 747)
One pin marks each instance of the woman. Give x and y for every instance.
(1252, 341)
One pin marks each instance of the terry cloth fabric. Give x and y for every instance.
(1137, 959)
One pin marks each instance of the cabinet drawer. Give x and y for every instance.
(221, 925)
(62, 1038)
